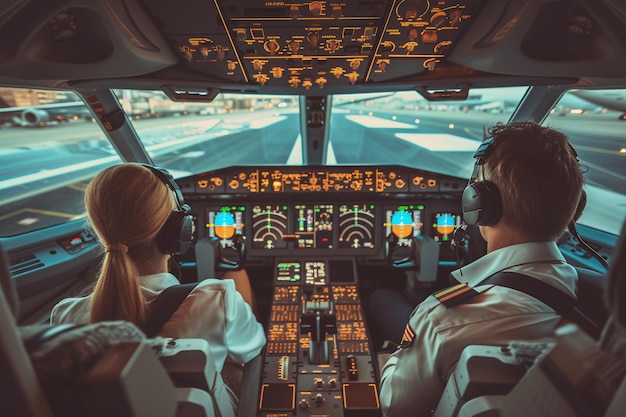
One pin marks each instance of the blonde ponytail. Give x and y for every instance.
(127, 205)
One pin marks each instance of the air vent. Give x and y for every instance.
(24, 264)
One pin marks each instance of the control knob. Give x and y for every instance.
(303, 404)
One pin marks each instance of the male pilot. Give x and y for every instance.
(528, 188)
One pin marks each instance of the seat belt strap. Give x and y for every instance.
(563, 304)
(164, 306)
(546, 293)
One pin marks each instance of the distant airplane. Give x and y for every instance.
(498, 100)
(44, 114)
(611, 99)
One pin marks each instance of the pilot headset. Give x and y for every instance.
(481, 201)
(176, 235)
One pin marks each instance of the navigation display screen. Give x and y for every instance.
(357, 225)
(269, 225)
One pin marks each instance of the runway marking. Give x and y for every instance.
(295, 157)
(78, 187)
(56, 171)
(69, 216)
(440, 141)
(261, 123)
(377, 122)
(604, 170)
(599, 150)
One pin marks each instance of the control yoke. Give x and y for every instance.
(400, 256)
(211, 256)
(420, 254)
(233, 257)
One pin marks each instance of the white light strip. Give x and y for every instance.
(295, 157)
(440, 141)
(377, 122)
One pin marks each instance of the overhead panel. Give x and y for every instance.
(313, 45)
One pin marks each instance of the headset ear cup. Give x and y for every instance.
(177, 234)
(482, 204)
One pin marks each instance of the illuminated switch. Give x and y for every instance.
(294, 47)
(369, 32)
(258, 64)
(272, 47)
(242, 34)
(221, 52)
(337, 71)
(353, 77)
(353, 371)
(429, 36)
(315, 7)
(294, 11)
(321, 82)
(277, 72)
(332, 45)
(313, 38)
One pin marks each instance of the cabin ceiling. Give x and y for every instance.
(311, 48)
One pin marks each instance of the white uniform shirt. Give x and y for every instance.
(414, 378)
(213, 311)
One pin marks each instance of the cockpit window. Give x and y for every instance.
(234, 129)
(403, 128)
(50, 147)
(595, 121)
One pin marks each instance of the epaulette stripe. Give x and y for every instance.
(455, 294)
(408, 332)
(449, 290)
(407, 337)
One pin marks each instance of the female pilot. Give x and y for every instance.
(127, 206)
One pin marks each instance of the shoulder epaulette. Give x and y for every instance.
(407, 337)
(455, 295)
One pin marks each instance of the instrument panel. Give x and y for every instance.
(295, 216)
(356, 227)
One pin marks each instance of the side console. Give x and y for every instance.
(318, 359)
